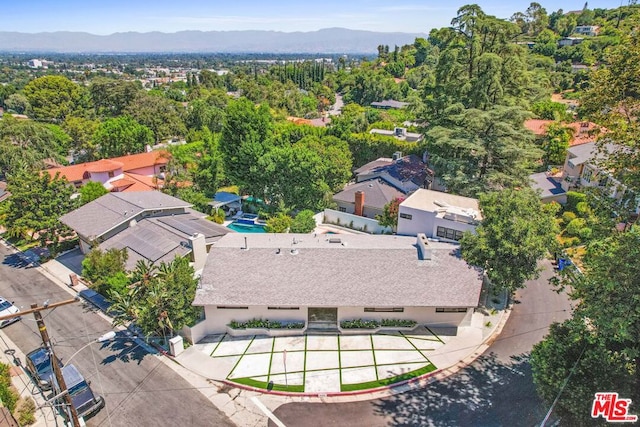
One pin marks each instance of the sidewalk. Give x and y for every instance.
(248, 406)
(45, 415)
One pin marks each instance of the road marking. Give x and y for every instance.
(267, 412)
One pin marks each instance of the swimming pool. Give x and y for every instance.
(246, 228)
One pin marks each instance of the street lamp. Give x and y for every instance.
(106, 337)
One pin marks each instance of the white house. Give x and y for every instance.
(438, 215)
(324, 279)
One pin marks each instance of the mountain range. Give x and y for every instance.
(329, 40)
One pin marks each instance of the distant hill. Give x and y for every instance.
(330, 40)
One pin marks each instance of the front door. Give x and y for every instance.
(322, 318)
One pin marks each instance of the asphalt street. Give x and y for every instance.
(495, 390)
(139, 389)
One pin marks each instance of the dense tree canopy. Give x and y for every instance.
(52, 98)
(603, 336)
(475, 150)
(516, 231)
(121, 135)
(36, 203)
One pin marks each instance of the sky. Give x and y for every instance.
(107, 17)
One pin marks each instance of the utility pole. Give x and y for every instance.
(54, 361)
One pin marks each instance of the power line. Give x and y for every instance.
(566, 381)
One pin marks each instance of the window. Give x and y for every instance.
(230, 307)
(283, 308)
(451, 310)
(111, 174)
(406, 216)
(449, 233)
(586, 176)
(342, 209)
(383, 309)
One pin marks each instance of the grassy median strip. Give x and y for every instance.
(293, 388)
(218, 345)
(433, 333)
(388, 381)
(373, 351)
(240, 358)
(273, 345)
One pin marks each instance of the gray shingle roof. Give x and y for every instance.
(161, 238)
(103, 214)
(376, 193)
(148, 241)
(361, 270)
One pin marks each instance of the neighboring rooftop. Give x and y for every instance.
(583, 132)
(330, 271)
(107, 212)
(433, 201)
(585, 153)
(377, 193)
(127, 163)
(404, 169)
(159, 239)
(389, 103)
(548, 186)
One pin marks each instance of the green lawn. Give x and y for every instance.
(388, 381)
(263, 385)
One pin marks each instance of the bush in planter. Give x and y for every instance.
(398, 323)
(265, 324)
(359, 324)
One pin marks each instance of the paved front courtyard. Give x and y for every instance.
(323, 363)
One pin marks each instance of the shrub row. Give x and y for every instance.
(265, 323)
(373, 324)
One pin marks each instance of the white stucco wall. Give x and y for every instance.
(332, 216)
(103, 177)
(216, 320)
(421, 222)
(422, 315)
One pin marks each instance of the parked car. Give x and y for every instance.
(7, 308)
(86, 403)
(40, 368)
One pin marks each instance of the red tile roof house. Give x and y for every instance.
(552, 187)
(135, 172)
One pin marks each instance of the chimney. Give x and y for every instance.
(423, 245)
(199, 250)
(359, 209)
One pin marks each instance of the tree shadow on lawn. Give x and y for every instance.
(489, 392)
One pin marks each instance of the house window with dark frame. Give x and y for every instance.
(111, 174)
(449, 233)
(384, 309)
(406, 216)
(451, 310)
(342, 209)
(283, 308)
(231, 307)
